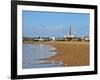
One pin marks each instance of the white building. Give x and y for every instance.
(53, 38)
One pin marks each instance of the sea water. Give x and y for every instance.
(36, 56)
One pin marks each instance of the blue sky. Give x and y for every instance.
(57, 24)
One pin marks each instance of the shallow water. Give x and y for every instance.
(36, 56)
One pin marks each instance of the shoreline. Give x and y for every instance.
(69, 52)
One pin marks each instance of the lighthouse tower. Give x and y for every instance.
(70, 33)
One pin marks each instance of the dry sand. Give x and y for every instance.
(72, 53)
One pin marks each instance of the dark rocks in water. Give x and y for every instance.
(53, 50)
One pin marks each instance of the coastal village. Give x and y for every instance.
(69, 37)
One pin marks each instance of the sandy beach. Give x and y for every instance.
(72, 53)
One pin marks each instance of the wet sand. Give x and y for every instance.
(72, 53)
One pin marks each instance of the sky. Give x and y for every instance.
(54, 24)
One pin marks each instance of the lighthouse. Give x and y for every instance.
(70, 33)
